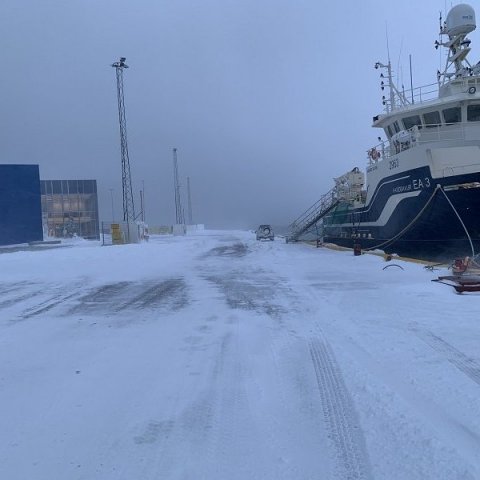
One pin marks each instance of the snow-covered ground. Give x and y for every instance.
(218, 357)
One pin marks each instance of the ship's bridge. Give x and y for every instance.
(448, 109)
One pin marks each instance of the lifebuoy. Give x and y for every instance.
(374, 154)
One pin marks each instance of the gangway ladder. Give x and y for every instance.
(311, 216)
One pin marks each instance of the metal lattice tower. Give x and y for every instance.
(190, 215)
(128, 205)
(179, 217)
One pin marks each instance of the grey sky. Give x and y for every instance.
(266, 100)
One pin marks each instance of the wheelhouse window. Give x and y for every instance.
(452, 115)
(410, 122)
(473, 113)
(432, 119)
(390, 130)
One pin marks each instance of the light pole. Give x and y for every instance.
(113, 211)
(143, 200)
(128, 205)
(179, 216)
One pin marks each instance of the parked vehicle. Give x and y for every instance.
(265, 232)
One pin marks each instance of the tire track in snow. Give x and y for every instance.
(243, 294)
(46, 305)
(57, 295)
(172, 292)
(101, 299)
(12, 287)
(465, 364)
(9, 302)
(230, 450)
(291, 397)
(339, 414)
(195, 442)
(238, 250)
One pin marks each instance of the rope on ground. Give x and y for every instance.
(392, 265)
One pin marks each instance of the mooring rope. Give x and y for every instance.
(398, 235)
(438, 187)
(460, 218)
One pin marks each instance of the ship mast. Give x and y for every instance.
(397, 98)
(459, 23)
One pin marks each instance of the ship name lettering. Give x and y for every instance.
(402, 188)
(419, 183)
(393, 164)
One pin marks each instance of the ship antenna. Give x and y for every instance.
(388, 47)
(439, 42)
(411, 78)
(390, 104)
(389, 69)
(400, 70)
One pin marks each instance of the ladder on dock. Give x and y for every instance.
(312, 215)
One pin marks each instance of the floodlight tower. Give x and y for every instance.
(179, 218)
(190, 216)
(128, 205)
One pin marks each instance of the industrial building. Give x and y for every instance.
(20, 206)
(70, 208)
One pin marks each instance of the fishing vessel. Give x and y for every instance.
(420, 195)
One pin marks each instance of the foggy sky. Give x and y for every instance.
(265, 100)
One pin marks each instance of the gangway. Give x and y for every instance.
(312, 215)
(348, 188)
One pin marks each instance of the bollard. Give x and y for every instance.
(357, 249)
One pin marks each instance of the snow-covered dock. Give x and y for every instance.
(218, 357)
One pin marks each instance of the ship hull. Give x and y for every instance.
(413, 215)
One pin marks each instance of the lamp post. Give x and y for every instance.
(113, 211)
(128, 206)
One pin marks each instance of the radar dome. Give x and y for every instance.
(460, 20)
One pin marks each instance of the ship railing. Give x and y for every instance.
(407, 98)
(452, 131)
(423, 93)
(428, 93)
(422, 135)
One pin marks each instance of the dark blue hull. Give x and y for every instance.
(422, 222)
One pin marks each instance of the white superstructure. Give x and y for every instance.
(442, 133)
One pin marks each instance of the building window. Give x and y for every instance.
(56, 186)
(68, 211)
(73, 186)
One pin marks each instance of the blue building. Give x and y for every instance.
(20, 204)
